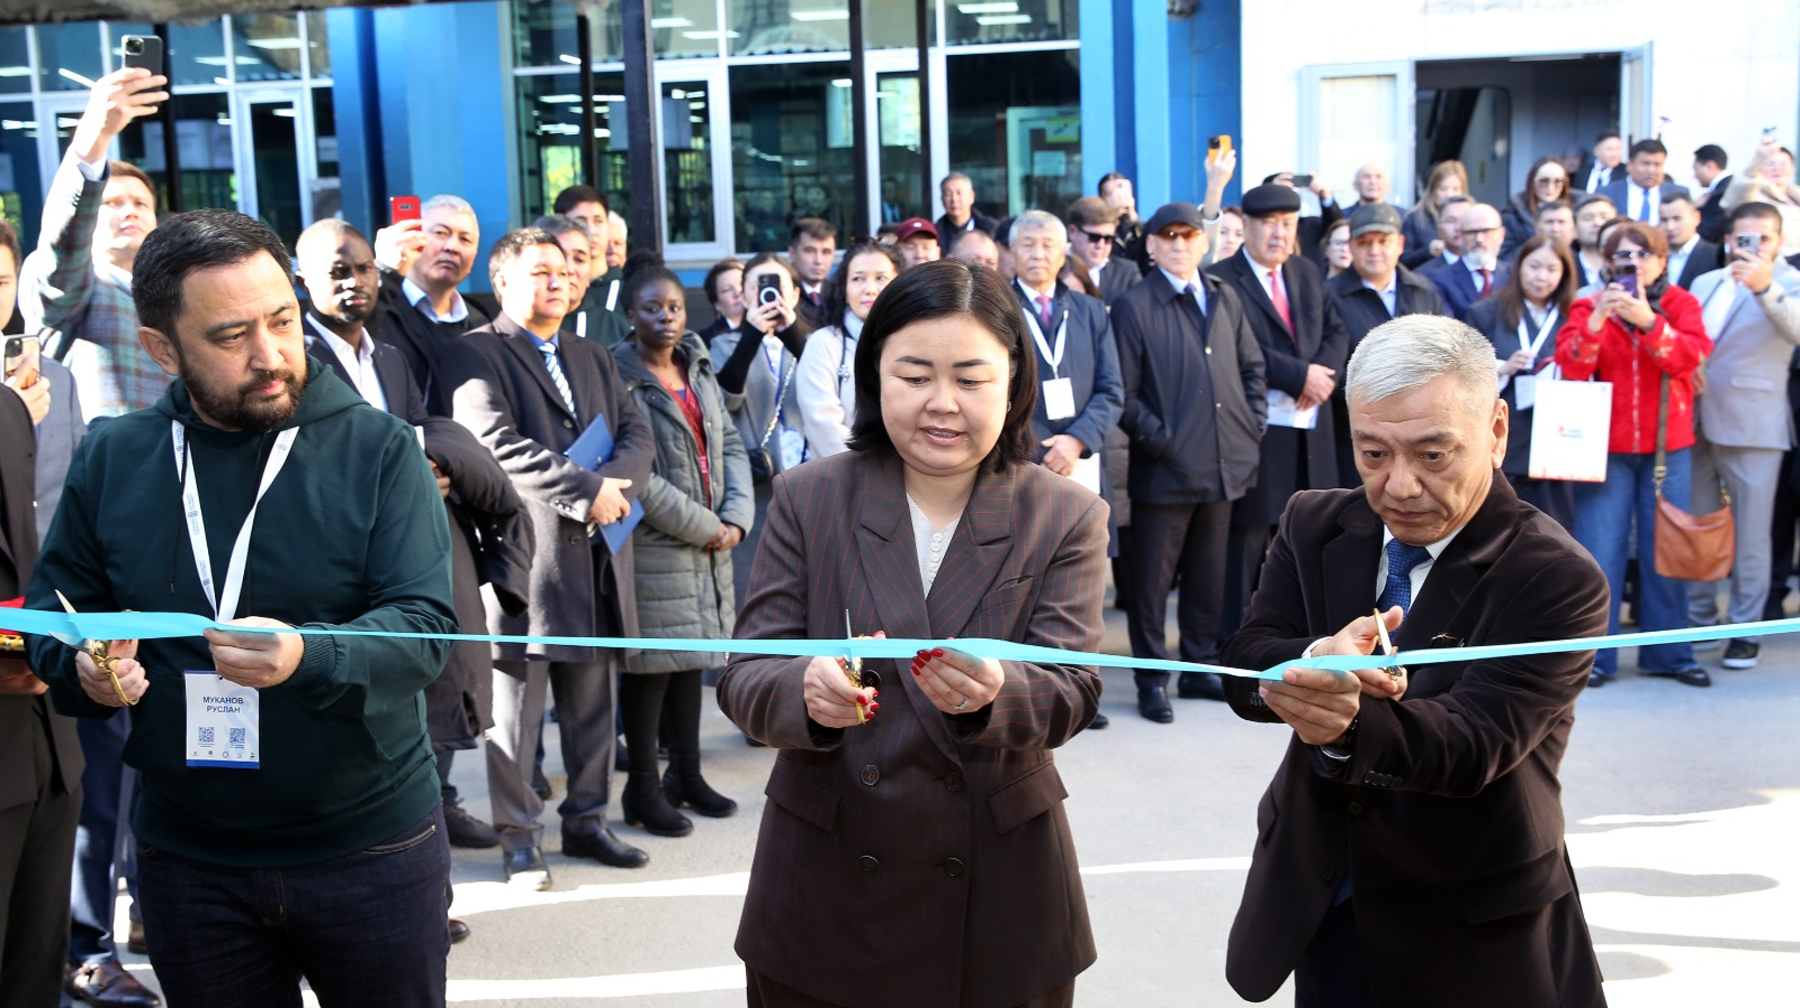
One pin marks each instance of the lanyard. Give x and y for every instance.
(224, 606)
(1051, 357)
(1534, 345)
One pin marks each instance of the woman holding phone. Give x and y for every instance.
(914, 849)
(1647, 338)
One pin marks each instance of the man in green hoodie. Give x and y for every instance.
(284, 778)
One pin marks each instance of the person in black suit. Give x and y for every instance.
(1689, 254)
(419, 310)
(1479, 272)
(1374, 289)
(1303, 344)
(336, 267)
(1709, 171)
(1093, 237)
(1601, 168)
(40, 792)
(1310, 232)
(958, 194)
(812, 247)
(1195, 409)
(1449, 237)
(1410, 847)
(528, 394)
(1640, 194)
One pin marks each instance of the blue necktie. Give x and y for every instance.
(1644, 208)
(1401, 561)
(556, 376)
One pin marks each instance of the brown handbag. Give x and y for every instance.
(1689, 547)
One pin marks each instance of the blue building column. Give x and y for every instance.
(1104, 105)
(1151, 87)
(425, 119)
(1206, 73)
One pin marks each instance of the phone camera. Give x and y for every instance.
(134, 46)
(768, 295)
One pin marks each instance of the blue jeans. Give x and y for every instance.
(369, 928)
(1603, 520)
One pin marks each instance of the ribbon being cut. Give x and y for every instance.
(72, 627)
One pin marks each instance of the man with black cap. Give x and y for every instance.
(1195, 403)
(1304, 345)
(1310, 232)
(917, 242)
(1373, 290)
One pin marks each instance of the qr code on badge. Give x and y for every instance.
(206, 736)
(237, 738)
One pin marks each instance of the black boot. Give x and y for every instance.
(647, 806)
(687, 789)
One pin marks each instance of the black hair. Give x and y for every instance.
(576, 195)
(778, 259)
(1607, 135)
(1111, 176)
(643, 268)
(837, 302)
(187, 242)
(1711, 152)
(934, 290)
(1757, 210)
(512, 244)
(1647, 147)
(1553, 204)
(817, 228)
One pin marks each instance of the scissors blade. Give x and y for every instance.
(1387, 643)
(73, 642)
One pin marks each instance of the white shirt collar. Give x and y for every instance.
(416, 296)
(1436, 549)
(1686, 249)
(1388, 291)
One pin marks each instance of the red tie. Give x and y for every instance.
(815, 298)
(1487, 281)
(1279, 296)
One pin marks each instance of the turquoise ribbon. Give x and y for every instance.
(72, 627)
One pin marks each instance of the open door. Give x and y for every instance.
(1354, 113)
(1636, 109)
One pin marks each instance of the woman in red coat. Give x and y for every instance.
(1634, 335)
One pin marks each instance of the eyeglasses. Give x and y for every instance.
(1549, 180)
(1339, 243)
(1096, 238)
(1471, 232)
(1627, 255)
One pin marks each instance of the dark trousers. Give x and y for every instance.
(368, 928)
(584, 708)
(1332, 973)
(103, 847)
(36, 842)
(1781, 540)
(665, 702)
(1177, 540)
(1243, 567)
(761, 992)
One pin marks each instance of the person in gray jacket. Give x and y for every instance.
(697, 506)
(1742, 421)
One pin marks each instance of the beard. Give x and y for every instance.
(232, 408)
(1481, 260)
(346, 314)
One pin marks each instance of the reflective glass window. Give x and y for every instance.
(1015, 128)
(791, 152)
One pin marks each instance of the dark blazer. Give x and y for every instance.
(1713, 223)
(502, 392)
(1195, 392)
(1362, 310)
(1578, 186)
(1091, 363)
(1456, 285)
(1619, 191)
(418, 339)
(1448, 813)
(920, 838)
(1116, 277)
(1420, 230)
(946, 230)
(1292, 459)
(1706, 257)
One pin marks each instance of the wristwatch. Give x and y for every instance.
(1340, 750)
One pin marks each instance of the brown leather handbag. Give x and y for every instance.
(1689, 547)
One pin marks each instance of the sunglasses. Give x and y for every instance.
(1627, 255)
(1096, 238)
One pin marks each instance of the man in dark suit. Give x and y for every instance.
(1303, 345)
(528, 394)
(1709, 171)
(1640, 194)
(1093, 237)
(420, 311)
(812, 245)
(40, 790)
(1078, 361)
(1410, 847)
(1448, 219)
(958, 194)
(1602, 166)
(1479, 272)
(1373, 290)
(1195, 405)
(1689, 254)
(1309, 232)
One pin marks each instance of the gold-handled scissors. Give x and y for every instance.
(97, 650)
(1394, 670)
(860, 677)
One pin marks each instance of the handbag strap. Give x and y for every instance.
(780, 397)
(1662, 438)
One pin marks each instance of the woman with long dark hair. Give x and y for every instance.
(914, 849)
(822, 385)
(1547, 180)
(1521, 320)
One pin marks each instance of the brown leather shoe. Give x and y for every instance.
(107, 983)
(458, 930)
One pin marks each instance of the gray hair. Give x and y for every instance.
(1408, 352)
(559, 224)
(1037, 220)
(616, 223)
(449, 202)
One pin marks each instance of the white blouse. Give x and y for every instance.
(930, 542)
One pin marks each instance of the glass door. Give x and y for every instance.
(696, 134)
(1354, 113)
(895, 164)
(276, 166)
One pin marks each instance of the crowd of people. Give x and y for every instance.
(602, 468)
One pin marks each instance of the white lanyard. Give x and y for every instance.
(224, 606)
(1534, 345)
(1051, 357)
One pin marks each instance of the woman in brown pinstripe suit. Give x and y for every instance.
(921, 857)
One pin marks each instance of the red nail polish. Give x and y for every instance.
(874, 707)
(915, 670)
(924, 655)
(860, 700)
(874, 693)
(937, 652)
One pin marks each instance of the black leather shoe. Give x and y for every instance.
(1153, 704)
(458, 930)
(1693, 675)
(525, 868)
(1199, 686)
(541, 784)
(467, 831)
(685, 788)
(1596, 680)
(646, 804)
(604, 848)
(1100, 721)
(107, 983)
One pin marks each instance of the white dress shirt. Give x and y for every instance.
(1598, 178)
(416, 296)
(1416, 578)
(358, 361)
(1678, 260)
(1641, 200)
(1262, 277)
(1388, 293)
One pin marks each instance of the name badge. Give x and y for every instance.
(1059, 398)
(224, 723)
